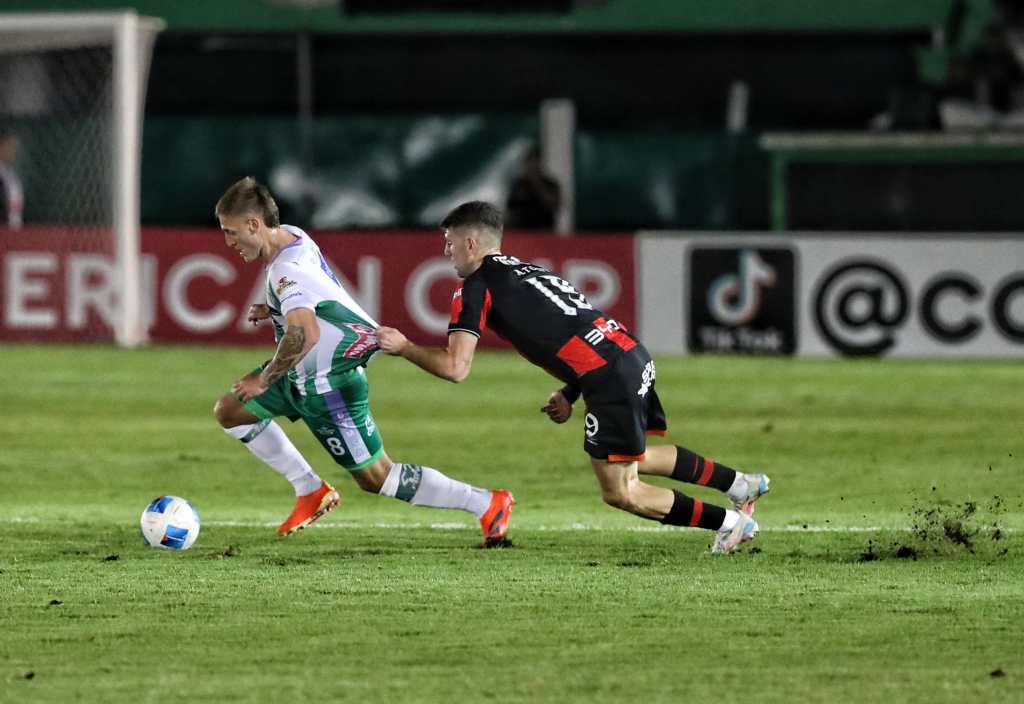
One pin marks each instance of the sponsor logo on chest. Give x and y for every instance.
(282, 284)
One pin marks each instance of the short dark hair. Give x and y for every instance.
(249, 197)
(475, 213)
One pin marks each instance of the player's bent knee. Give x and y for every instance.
(230, 413)
(618, 499)
(222, 412)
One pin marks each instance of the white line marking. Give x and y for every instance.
(572, 527)
(543, 528)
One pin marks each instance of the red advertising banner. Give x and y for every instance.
(58, 285)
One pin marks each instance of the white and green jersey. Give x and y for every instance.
(299, 277)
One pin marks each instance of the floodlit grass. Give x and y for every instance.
(385, 602)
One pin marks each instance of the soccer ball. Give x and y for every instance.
(169, 522)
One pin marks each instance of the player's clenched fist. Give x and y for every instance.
(391, 341)
(258, 312)
(558, 409)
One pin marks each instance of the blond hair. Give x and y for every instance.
(249, 197)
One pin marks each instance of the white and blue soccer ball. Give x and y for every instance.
(170, 522)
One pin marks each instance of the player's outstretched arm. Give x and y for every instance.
(452, 363)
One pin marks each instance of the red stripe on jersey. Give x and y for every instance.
(456, 305)
(622, 340)
(709, 468)
(485, 311)
(698, 508)
(659, 433)
(617, 336)
(580, 356)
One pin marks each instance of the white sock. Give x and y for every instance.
(425, 486)
(731, 517)
(267, 441)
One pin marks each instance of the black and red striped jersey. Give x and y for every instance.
(544, 317)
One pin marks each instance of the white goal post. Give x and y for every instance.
(130, 40)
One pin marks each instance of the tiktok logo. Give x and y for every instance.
(734, 299)
(742, 299)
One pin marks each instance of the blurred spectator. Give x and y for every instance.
(973, 78)
(12, 200)
(983, 87)
(534, 197)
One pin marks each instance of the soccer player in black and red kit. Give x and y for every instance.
(553, 325)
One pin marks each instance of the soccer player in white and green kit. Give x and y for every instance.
(324, 340)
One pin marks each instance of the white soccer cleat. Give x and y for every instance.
(750, 488)
(728, 540)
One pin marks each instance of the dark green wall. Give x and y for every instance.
(586, 17)
(674, 180)
(357, 171)
(388, 171)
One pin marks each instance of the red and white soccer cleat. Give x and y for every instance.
(309, 508)
(726, 541)
(495, 521)
(748, 490)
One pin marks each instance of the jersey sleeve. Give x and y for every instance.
(572, 392)
(291, 287)
(470, 306)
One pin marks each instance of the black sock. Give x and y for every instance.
(694, 512)
(694, 469)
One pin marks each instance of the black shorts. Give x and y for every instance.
(622, 408)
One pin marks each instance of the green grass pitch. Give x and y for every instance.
(385, 602)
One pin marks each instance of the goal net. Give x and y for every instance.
(72, 87)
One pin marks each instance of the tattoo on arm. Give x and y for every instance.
(289, 351)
